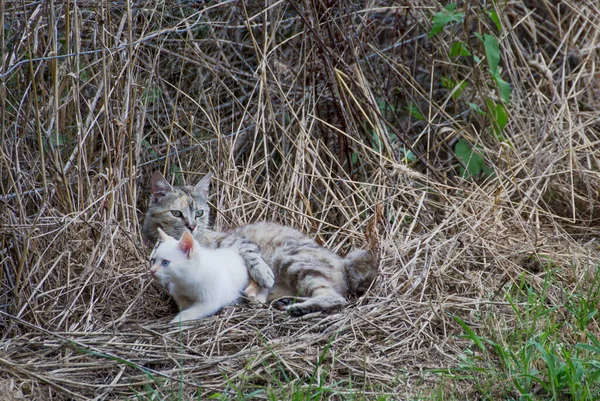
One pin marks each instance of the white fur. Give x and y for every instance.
(202, 282)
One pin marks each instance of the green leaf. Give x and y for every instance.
(504, 87)
(494, 16)
(477, 108)
(407, 156)
(492, 52)
(447, 83)
(444, 17)
(414, 111)
(354, 158)
(376, 141)
(470, 333)
(145, 144)
(458, 91)
(488, 171)
(498, 117)
(469, 158)
(459, 49)
(385, 107)
(450, 84)
(587, 347)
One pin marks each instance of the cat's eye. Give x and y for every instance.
(199, 213)
(165, 263)
(152, 261)
(176, 213)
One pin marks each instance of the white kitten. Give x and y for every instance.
(201, 280)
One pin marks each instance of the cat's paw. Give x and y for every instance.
(254, 295)
(293, 306)
(301, 309)
(252, 290)
(282, 303)
(262, 274)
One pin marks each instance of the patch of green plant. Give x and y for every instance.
(494, 112)
(495, 19)
(545, 353)
(498, 116)
(151, 95)
(62, 140)
(492, 55)
(148, 146)
(155, 388)
(387, 110)
(583, 306)
(443, 18)
(459, 49)
(414, 111)
(472, 162)
(280, 384)
(175, 171)
(456, 88)
(407, 156)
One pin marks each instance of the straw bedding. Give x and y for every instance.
(302, 111)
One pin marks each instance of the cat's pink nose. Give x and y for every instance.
(153, 272)
(191, 227)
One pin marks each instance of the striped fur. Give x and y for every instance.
(302, 269)
(177, 209)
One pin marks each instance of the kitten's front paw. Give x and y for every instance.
(252, 290)
(263, 275)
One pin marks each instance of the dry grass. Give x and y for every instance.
(300, 109)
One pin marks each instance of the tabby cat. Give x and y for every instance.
(318, 278)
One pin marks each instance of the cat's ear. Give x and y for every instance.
(159, 186)
(186, 243)
(202, 187)
(163, 235)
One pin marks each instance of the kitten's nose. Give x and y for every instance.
(191, 227)
(153, 271)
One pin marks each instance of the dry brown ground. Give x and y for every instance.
(301, 109)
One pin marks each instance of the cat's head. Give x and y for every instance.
(176, 209)
(170, 259)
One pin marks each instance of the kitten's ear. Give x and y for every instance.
(202, 187)
(163, 235)
(186, 243)
(159, 186)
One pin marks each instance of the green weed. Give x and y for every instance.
(549, 353)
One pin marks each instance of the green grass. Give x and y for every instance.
(543, 350)
(281, 385)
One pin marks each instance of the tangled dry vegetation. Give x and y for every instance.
(310, 114)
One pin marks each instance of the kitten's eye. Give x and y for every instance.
(165, 263)
(152, 261)
(176, 213)
(199, 213)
